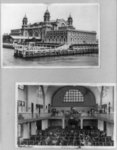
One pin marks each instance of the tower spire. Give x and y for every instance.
(47, 9)
(25, 16)
(70, 14)
(25, 21)
(70, 20)
(47, 15)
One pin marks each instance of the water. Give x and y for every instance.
(73, 60)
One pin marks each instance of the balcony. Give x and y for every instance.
(105, 117)
(29, 117)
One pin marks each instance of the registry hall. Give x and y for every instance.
(65, 115)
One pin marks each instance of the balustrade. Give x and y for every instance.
(27, 116)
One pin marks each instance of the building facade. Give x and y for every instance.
(55, 31)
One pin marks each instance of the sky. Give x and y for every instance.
(85, 16)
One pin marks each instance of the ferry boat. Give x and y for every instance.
(32, 50)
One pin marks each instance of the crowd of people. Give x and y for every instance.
(69, 137)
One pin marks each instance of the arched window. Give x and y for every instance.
(73, 95)
(30, 33)
(35, 33)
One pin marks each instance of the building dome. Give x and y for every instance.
(47, 12)
(70, 18)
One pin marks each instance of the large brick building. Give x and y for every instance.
(55, 31)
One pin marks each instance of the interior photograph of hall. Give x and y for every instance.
(65, 115)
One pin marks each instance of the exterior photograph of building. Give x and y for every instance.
(60, 31)
(57, 31)
(65, 115)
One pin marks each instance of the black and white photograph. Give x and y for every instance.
(63, 115)
(58, 74)
(53, 35)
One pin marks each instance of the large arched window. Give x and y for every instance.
(73, 95)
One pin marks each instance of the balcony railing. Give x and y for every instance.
(33, 116)
(28, 116)
(105, 116)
